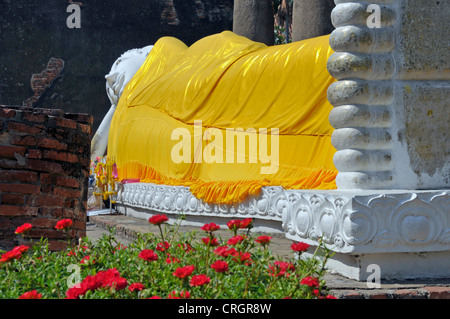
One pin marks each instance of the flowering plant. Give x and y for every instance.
(164, 265)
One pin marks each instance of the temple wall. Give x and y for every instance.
(44, 167)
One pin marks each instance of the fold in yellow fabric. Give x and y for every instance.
(227, 116)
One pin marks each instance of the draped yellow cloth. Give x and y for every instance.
(182, 117)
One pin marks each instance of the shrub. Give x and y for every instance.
(168, 265)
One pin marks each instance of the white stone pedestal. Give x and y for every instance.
(406, 234)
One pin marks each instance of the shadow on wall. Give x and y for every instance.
(33, 32)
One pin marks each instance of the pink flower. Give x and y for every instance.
(199, 280)
(148, 254)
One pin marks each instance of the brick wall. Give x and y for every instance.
(44, 167)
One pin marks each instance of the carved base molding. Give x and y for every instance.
(397, 228)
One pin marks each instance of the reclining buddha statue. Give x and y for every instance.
(224, 116)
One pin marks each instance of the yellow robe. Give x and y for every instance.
(227, 82)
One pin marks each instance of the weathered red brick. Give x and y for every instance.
(64, 192)
(12, 199)
(81, 118)
(44, 166)
(54, 245)
(7, 113)
(34, 117)
(10, 210)
(66, 182)
(63, 122)
(45, 179)
(438, 292)
(45, 200)
(406, 294)
(34, 153)
(18, 176)
(51, 143)
(61, 156)
(23, 140)
(44, 222)
(87, 129)
(20, 188)
(52, 212)
(23, 128)
(11, 151)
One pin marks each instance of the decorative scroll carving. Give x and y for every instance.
(347, 222)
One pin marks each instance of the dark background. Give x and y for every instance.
(31, 32)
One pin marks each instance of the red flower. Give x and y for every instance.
(170, 260)
(87, 260)
(235, 240)
(63, 224)
(118, 283)
(220, 266)
(183, 272)
(280, 268)
(33, 294)
(107, 278)
(148, 254)
(186, 247)
(310, 281)
(210, 227)
(240, 224)
(212, 242)
(330, 297)
(199, 280)
(246, 223)
(162, 246)
(243, 257)
(10, 255)
(178, 295)
(24, 228)
(234, 224)
(21, 248)
(299, 247)
(137, 286)
(263, 240)
(158, 219)
(224, 251)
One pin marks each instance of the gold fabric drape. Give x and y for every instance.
(208, 91)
